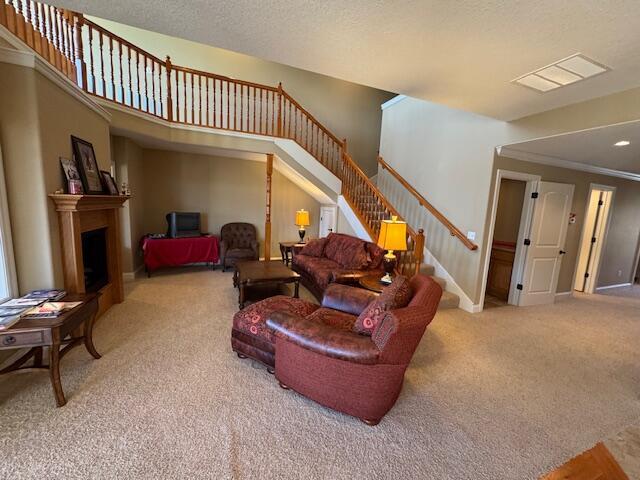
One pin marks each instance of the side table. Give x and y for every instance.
(287, 250)
(372, 282)
(53, 333)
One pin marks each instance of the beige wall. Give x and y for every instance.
(448, 156)
(510, 201)
(129, 168)
(223, 189)
(349, 110)
(36, 120)
(620, 249)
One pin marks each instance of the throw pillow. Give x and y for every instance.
(346, 251)
(397, 295)
(314, 248)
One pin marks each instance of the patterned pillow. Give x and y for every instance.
(346, 251)
(397, 295)
(314, 248)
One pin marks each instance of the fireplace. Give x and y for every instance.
(94, 256)
(90, 245)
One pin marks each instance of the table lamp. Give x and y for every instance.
(393, 236)
(302, 220)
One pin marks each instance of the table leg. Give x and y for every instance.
(241, 295)
(296, 289)
(54, 373)
(37, 358)
(88, 337)
(283, 255)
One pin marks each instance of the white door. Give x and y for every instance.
(547, 236)
(327, 220)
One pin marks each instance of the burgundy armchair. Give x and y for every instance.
(238, 241)
(322, 358)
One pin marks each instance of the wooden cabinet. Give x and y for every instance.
(500, 268)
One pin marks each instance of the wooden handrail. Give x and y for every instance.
(201, 73)
(383, 200)
(113, 36)
(341, 143)
(455, 231)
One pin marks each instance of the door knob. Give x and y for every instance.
(562, 252)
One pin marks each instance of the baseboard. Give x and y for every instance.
(565, 294)
(607, 287)
(130, 276)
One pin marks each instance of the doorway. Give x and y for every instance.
(594, 236)
(505, 236)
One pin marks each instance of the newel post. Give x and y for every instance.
(79, 23)
(279, 109)
(419, 249)
(267, 222)
(167, 64)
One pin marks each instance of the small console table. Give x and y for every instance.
(69, 329)
(175, 252)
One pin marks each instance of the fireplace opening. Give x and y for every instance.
(94, 256)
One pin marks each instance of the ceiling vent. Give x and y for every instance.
(561, 73)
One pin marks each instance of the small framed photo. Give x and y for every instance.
(71, 174)
(87, 166)
(109, 183)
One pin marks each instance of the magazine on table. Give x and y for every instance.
(7, 321)
(22, 302)
(50, 309)
(49, 295)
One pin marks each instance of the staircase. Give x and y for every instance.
(110, 68)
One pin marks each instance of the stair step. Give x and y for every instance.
(427, 269)
(449, 300)
(440, 281)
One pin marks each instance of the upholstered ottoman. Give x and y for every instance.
(250, 336)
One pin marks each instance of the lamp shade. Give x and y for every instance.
(302, 218)
(393, 235)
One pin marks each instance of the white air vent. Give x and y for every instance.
(563, 72)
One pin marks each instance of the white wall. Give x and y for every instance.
(448, 156)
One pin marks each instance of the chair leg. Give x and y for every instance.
(283, 386)
(271, 370)
(371, 423)
(240, 355)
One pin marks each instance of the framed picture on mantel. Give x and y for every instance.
(87, 166)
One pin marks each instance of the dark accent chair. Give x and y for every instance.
(238, 241)
(339, 258)
(322, 358)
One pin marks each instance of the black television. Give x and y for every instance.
(183, 224)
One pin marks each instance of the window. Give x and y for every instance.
(8, 287)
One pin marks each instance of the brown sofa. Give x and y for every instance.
(338, 258)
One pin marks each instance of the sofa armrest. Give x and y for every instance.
(347, 299)
(223, 248)
(255, 246)
(323, 339)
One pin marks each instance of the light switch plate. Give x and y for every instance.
(471, 235)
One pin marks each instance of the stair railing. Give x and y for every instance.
(455, 231)
(109, 67)
(371, 207)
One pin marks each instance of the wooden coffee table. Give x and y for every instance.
(251, 274)
(69, 329)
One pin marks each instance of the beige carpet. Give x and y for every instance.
(506, 394)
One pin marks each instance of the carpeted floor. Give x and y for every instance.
(506, 394)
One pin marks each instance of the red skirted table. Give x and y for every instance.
(174, 252)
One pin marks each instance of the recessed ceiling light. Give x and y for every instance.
(564, 72)
(622, 143)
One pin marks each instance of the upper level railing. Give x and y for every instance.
(49, 31)
(112, 68)
(455, 231)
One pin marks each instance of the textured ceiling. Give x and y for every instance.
(461, 53)
(592, 147)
